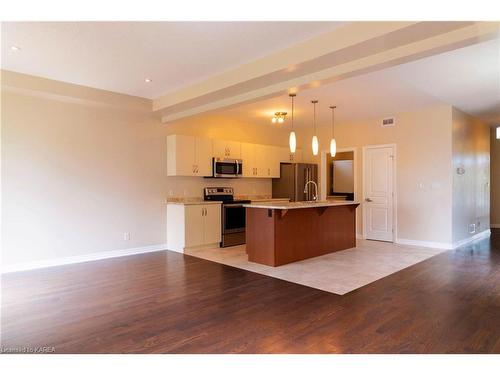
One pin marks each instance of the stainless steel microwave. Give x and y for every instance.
(227, 168)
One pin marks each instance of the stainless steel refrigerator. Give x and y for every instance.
(293, 178)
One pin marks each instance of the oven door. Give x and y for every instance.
(227, 168)
(233, 218)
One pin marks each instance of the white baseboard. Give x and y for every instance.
(81, 258)
(465, 241)
(434, 245)
(496, 226)
(444, 245)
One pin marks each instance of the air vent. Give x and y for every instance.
(388, 122)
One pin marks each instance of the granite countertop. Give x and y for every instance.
(297, 205)
(190, 201)
(270, 199)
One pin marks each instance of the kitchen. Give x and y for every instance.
(257, 210)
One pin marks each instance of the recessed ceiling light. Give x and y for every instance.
(15, 48)
(148, 80)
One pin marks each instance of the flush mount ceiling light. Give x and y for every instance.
(333, 142)
(15, 48)
(279, 117)
(148, 80)
(292, 140)
(315, 143)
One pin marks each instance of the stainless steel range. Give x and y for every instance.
(233, 214)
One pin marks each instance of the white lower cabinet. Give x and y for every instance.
(193, 225)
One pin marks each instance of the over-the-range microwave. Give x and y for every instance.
(227, 168)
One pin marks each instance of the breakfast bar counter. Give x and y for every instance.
(286, 232)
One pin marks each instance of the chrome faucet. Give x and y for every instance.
(315, 195)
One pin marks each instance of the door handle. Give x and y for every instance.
(368, 200)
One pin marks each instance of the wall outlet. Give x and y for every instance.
(472, 228)
(126, 236)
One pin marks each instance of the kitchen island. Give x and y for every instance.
(281, 233)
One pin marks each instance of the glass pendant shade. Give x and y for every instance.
(293, 142)
(315, 145)
(333, 147)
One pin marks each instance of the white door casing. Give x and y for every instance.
(378, 192)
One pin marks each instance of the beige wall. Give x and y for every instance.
(423, 167)
(471, 190)
(81, 166)
(495, 179)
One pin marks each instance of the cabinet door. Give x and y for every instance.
(194, 225)
(181, 155)
(227, 149)
(261, 161)
(234, 149)
(212, 228)
(274, 160)
(248, 157)
(220, 149)
(203, 157)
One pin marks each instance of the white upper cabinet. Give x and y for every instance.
(189, 156)
(248, 156)
(192, 156)
(203, 156)
(260, 160)
(285, 156)
(226, 149)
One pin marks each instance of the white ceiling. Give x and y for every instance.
(118, 56)
(467, 78)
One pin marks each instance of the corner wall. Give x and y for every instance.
(80, 167)
(495, 180)
(471, 176)
(423, 168)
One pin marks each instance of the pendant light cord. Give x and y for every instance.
(314, 114)
(333, 119)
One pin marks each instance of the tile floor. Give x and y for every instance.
(340, 272)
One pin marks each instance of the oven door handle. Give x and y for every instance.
(233, 205)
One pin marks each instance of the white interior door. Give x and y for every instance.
(378, 191)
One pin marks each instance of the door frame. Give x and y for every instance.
(322, 175)
(394, 188)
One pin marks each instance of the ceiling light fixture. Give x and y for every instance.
(333, 142)
(15, 48)
(292, 140)
(148, 80)
(315, 143)
(279, 117)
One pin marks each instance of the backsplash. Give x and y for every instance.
(192, 187)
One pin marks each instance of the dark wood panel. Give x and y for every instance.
(292, 235)
(260, 236)
(310, 232)
(166, 302)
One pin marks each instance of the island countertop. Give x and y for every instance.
(298, 205)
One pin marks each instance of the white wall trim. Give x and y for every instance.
(444, 245)
(465, 241)
(496, 226)
(435, 245)
(81, 258)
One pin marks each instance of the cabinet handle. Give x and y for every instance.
(268, 171)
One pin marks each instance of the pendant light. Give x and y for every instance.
(292, 140)
(333, 142)
(315, 143)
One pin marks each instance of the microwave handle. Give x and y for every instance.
(237, 167)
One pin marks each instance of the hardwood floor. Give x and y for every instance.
(166, 302)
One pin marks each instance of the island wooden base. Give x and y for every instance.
(276, 237)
